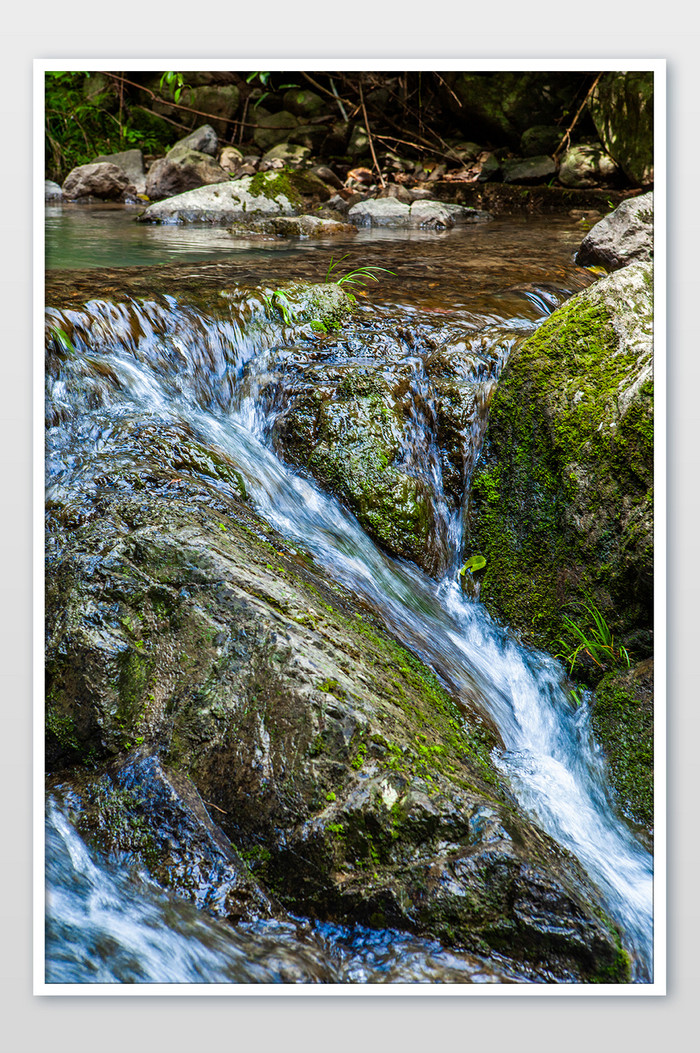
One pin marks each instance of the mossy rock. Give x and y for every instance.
(623, 723)
(562, 499)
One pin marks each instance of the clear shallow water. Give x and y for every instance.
(172, 367)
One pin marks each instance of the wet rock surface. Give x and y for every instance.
(186, 628)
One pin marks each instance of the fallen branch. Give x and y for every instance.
(369, 136)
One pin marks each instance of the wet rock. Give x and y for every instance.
(390, 212)
(562, 497)
(104, 181)
(622, 718)
(130, 162)
(587, 165)
(622, 108)
(197, 631)
(136, 806)
(294, 227)
(620, 238)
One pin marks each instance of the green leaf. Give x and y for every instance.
(62, 340)
(476, 562)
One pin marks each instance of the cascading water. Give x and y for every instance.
(169, 369)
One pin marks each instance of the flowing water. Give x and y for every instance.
(188, 350)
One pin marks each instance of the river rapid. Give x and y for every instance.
(186, 344)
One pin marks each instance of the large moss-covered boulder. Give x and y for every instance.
(562, 499)
(329, 757)
(622, 108)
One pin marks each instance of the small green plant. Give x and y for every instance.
(62, 339)
(175, 81)
(594, 640)
(357, 276)
(279, 298)
(476, 562)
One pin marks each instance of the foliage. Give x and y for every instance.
(264, 78)
(278, 297)
(593, 640)
(81, 122)
(358, 276)
(62, 339)
(175, 82)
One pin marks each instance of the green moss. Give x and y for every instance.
(624, 726)
(274, 186)
(62, 727)
(550, 499)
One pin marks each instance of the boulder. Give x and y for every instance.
(390, 212)
(352, 428)
(182, 169)
(587, 165)
(622, 719)
(288, 153)
(130, 162)
(622, 108)
(623, 236)
(104, 181)
(501, 106)
(137, 805)
(282, 193)
(273, 128)
(540, 139)
(53, 195)
(303, 103)
(220, 103)
(203, 139)
(562, 497)
(531, 170)
(199, 633)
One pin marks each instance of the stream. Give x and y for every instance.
(185, 347)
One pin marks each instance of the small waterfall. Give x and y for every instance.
(169, 369)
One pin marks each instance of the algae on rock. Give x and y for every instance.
(562, 499)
